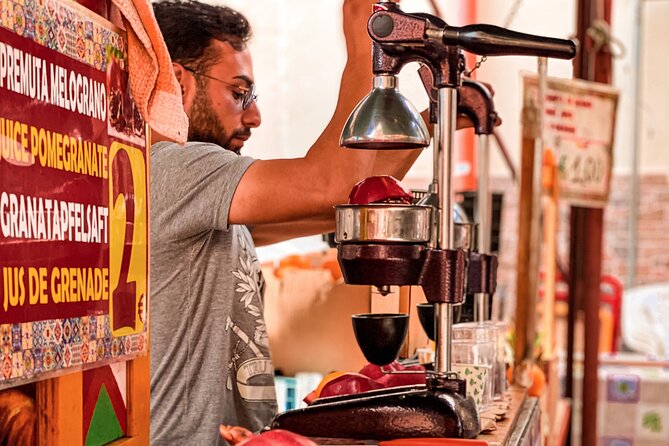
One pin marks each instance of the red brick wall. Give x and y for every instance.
(653, 231)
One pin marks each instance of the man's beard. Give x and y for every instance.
(204, 125)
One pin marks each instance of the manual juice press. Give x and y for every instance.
(416, 246)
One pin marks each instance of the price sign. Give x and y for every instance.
(73, 194)
(578, 124)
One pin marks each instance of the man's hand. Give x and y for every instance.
(234, 434)
(463, 122)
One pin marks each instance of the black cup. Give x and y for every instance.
(380, 335)
(426, 317)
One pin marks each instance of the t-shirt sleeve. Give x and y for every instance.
(192, 187)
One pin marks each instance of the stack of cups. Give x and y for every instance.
(500, 382)
(474, 355)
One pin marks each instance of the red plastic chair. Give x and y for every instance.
(610, 294)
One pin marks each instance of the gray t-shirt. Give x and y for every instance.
(210, 360)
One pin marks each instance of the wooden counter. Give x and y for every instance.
(522, 427)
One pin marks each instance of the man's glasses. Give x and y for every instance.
(248, 93)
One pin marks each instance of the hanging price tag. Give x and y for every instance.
(578, 125)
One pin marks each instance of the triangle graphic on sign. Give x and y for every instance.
(104, 426)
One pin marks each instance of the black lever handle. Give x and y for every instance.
(491, 40)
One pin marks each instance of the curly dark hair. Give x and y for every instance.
(188, 27)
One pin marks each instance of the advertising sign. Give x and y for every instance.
(73, 194)
(578, 124)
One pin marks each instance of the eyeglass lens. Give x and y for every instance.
(249, 96)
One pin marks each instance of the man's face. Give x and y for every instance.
(216, 112)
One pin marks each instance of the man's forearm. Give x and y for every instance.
(278, 232)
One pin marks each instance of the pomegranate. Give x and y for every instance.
(375, 371)
(238, 436)
(371, 377)
(120, 109)
(382, 375)
(349, 383)
(379, 189)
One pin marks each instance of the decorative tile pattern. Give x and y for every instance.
(622, 388)
(652, 422)
(61, 28)
(100, 348)
(58, 331)
(37, 355)
(26, 336)
(75, 323)
(31, 348)
(16, 337)
(6, 366)
(633, 409)
(67, 356)
(17, 364)
(85, 325)
(48, 362)
(47, 332)
(67, 331)
(38, 334)
(84, 352)
(92, 351)
(5, 338)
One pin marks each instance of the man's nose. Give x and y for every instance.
(251, 117)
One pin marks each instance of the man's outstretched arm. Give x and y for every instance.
(275, 191)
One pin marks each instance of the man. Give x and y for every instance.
(210, 360)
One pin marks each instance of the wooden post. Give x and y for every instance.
(551, 404)
(522, 269)
(550, 209)
(528, 228)
(586, 231)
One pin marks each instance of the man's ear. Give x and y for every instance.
(187, 84)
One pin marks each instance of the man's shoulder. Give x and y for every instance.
(197, 162)
(191, 148)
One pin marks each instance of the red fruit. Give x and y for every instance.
(277, 437)
(117, 78)
(381, 375)
(311, 396)
(538, 381)
(379, 189)
(402, 379)
(375, 372)
(372, 371)
(349, 383)
(120, 107)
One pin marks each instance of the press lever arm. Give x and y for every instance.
(490, 40)
(399, 28)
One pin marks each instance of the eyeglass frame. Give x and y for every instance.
(248, 93)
